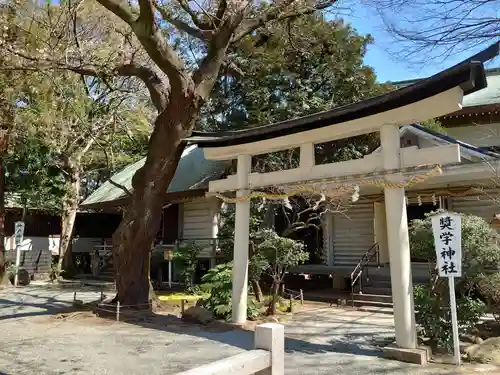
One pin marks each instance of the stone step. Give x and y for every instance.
(373, 297)
(103, 276)
(374, 307)
(384, 284)
(372, 300)
(106, 276)
(376, 290)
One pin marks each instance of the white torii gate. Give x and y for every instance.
(430, 98)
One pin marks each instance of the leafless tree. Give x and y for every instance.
(439, 28)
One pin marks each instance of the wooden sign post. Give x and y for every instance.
(447, 230)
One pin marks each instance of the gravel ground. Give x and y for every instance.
(319, 340)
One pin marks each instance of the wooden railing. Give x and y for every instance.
(268, 357)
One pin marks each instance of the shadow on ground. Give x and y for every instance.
(356, 343)
(25, 304)
(359, 343)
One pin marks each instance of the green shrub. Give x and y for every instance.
(185, 259)
(432, 312)
(489, 289)
(480, 255)
(480, 246)
(194, 290)
(218, 283)
(281, 253)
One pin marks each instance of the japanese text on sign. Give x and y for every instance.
(446, 228)
(18, 232)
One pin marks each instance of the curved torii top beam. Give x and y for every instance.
(432, 97)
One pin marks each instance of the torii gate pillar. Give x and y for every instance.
(241, 234)
(433, 97)
(398, 242)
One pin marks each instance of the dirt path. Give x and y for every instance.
(320, 340)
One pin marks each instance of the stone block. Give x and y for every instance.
(420, 355)
(198, 315)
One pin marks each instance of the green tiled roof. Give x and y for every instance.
(488, 95)
(193, 172)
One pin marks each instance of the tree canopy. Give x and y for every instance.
(294, 68)
(175, 51)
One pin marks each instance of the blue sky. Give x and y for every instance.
(381, 54)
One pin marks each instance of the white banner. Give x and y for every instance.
(18, 232)
(447, 229)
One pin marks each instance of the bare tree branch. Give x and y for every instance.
(120, 186)
(167, 15)
(205, 77)
(194, 17)
(156, 87)
(146, 14)
(158, 90)
(121, 9)
(154, 43)
(221, 10)
(439, 28)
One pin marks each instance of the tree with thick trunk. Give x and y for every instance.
(179, 80)
(7, 13)
(77, 136)
(217, 25)
(69, 208)
(2, 214)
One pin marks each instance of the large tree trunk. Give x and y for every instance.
(3, 276)
(141, 219)
(6, 124)
(68, 217)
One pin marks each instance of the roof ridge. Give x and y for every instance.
(450, 139)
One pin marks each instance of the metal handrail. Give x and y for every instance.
(357, 273)
(107, 257)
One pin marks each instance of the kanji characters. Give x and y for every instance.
(447, 241)
(447, 253)
(446, 237)
(446, 223)
(449, 268)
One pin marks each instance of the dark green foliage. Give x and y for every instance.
(33, 175)
(185, 258)
(480, 254)
(488, 286)
(434, 125)
(291, 69)
(226, 229)
(480, 245)
(432, 313)
(281, 252)
(218, 283)
(257, 262)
